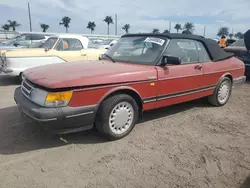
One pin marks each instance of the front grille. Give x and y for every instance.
(27, 88)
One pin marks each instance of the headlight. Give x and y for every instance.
(58, 99)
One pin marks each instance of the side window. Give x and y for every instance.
(185, 49)
(69, 45)
(37, 37)
(28, 37)
(203, 55)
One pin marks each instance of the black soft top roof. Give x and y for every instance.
(215, 52)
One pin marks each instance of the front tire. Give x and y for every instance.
(222, 92)
(117, 116)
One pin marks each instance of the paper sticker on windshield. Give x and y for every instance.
(155, 40)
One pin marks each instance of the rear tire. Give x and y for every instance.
(20, 77)
(221, 93)
(117, 116)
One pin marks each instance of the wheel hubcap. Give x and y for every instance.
(223, 92)
(121, 118)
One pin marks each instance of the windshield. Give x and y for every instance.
(15, 39)
(137, 50)
(106, 42)
(50, 43)
(239, 42)
(91, 44)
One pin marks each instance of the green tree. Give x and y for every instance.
(239, 35)
(166, 31)
(44, 27)
(223, 31)
(189, 26)
(231, 35)
(155, 31)
(91, 26)
(126, 28)
(108, 20)
(13, 24)
(187, 32)
(65, 22)
(6, 27)
(177, 27)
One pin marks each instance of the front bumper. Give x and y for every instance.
(239, 81)
(60, 120)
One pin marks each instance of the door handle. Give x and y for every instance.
(198, 67)
(83, 54)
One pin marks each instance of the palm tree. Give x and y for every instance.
(44, 27)
(126, 27)
(166, 31)
(187, 32)
(6, 27)
(13, 24)
(65, 22)
(177, 27)
(239, 35)
(91, 26)
(223, 31)
(189, 26)
(231, 35)
(108, 20)
(155, 31)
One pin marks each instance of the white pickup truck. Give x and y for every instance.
(57, 49)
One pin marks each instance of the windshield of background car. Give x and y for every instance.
(50, 43)
(239, 42)
(16, 39)
(137, 50)
(106, 42)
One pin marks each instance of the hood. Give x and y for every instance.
(24, 52)
(80, 74)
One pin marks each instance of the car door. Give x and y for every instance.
(179, 83)
(70, 50)
(210, 69)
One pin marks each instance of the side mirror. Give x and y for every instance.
(247, 40)
(170, 60)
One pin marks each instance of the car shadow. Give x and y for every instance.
(248, 80)
(246, 183)
(6, 80)
(174, 109)
(19, 135)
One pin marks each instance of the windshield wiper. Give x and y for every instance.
(109, 58)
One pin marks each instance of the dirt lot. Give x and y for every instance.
(188, 145)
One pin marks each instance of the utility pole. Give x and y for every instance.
(169, 27)
(115, 24)
(29, 17)
(204, 32)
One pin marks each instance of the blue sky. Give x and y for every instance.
(142, 15)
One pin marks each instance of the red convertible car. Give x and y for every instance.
(140, 72)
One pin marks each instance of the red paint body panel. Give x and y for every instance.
(91, 73)
(98, 79)
(213, 71)
(95, 96)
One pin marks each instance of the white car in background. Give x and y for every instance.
(57, 49)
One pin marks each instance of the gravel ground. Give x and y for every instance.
(187, 145)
